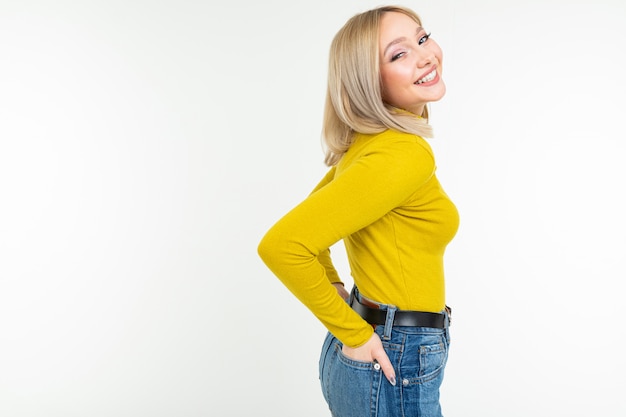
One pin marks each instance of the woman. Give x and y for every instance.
(381, 196)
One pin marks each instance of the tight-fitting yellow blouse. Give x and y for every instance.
(384, 200)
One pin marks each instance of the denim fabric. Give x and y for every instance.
(360, 389)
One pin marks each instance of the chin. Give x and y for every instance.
(441, 91)
(438, 96)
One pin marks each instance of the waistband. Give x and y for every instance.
(378, 314)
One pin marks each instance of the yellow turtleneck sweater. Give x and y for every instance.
(384, 200)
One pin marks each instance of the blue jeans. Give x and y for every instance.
(359, 389)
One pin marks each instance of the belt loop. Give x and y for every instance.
(391, 313)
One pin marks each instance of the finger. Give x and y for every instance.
(385, 365)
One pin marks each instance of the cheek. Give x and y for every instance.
(386, 81)
(438, 53)
(395, 78)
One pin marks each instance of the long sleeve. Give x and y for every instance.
(379, 174)
(324, 257)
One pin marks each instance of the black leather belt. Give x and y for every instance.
(410, 318)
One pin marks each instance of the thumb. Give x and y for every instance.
(381, 359)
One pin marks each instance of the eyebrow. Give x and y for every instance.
(399, 40)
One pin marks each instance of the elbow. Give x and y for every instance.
(283, 253)
(264, 249)
(269, 248)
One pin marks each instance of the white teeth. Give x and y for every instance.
(428, 77)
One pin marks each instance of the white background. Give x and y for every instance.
(146, 146)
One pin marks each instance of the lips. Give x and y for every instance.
(428, 77)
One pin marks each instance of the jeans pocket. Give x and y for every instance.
(348, 361)
(432, 360)
(352, 386)
(424, 358)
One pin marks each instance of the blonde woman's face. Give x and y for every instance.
(410, 64)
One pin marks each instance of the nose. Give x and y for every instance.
(425, 57)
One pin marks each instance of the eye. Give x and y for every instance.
(423, 39)
(397, 56)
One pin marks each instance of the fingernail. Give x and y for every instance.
(392, 381)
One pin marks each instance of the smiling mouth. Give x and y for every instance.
(429, 77)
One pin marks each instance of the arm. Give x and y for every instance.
(377, 182)
(324, 257)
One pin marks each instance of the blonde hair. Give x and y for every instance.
(354, 100)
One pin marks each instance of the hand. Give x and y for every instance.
(372, 351)
(341, 290)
